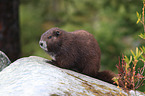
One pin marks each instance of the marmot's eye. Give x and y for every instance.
(57, 33)
(49, 37)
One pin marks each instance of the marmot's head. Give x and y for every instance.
(51, 40)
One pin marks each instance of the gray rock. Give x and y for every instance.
(4, 61)
(32, 76)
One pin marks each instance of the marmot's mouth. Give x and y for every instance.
(43, 45)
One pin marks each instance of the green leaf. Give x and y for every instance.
(133, 53)
(142, 36)
(143, 49)
(115, 79)
(143, 56)
(128, 61)
(139, 17)
(137, 21)
(138, 53)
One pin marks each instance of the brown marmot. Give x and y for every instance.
(76, 50)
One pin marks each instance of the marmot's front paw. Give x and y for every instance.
(53, 62)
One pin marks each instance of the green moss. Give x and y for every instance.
(54, 95)
(97, 92)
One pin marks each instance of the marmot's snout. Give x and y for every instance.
(43, 45)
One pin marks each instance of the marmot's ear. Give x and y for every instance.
(57, 33)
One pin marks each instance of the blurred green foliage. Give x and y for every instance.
(112, 22)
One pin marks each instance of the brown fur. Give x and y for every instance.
(76, 50)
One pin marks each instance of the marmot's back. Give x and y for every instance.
(89, 52)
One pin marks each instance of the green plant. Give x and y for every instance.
(129, 76)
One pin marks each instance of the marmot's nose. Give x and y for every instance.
(41, 44)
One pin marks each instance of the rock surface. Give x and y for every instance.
(32, 76)
(4, 61)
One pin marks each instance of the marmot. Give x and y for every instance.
(76, 50)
